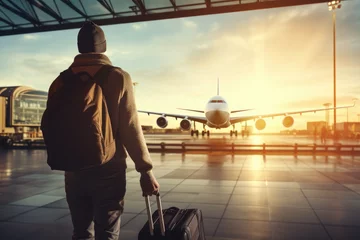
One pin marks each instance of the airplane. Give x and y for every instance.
(218, 115)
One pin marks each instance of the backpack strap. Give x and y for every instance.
(102, 74)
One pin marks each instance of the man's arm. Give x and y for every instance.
(130, 131)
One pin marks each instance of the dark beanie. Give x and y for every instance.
(91, 38)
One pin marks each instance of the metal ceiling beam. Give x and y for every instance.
(208, 3)
(32, 11)
(107, 6)
(167, 15)
(73, 7)
(8, 19)
(7, 22)
(20, 13)
(140, 5)
(46, 9)
(173, 3)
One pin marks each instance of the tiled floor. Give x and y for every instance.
(241, 197)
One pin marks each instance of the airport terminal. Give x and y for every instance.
(292, 183)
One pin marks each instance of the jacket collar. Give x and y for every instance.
(89, 59)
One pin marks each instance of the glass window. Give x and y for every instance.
(7, 114)
(28, 108)
(217, 101)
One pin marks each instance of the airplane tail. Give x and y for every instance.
(218, 87)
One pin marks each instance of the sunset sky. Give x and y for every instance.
(273, 60)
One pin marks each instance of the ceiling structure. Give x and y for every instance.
(31, 16)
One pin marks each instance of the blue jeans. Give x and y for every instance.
(96, 202)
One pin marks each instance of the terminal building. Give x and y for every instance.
(21, 109)
(344, 129)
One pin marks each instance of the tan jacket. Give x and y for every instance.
(119, 94)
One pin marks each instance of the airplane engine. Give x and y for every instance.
(185, 124)
(162, 122)
(288, 121)
(260, 124)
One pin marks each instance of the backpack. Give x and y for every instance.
(76, 124)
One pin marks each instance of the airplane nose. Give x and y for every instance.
(217, 117)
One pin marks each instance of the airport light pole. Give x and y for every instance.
(327, 105)
(333, 5)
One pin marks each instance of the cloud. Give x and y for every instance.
(38, 70)
(7, 81)
(139, 26)
(189, 24)
(203, 46)
(355, 91)
(115, 52)
(31, 37)
(292, 48)
(214, 27)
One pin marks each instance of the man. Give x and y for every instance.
(96, 196)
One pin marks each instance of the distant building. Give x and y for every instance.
(348, 129)
(312, 126)
(21, 109)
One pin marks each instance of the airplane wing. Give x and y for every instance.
(242, 110)
(176, 116)
(234, 120)
(191, 110)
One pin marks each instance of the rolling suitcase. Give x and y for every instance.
(172, 223)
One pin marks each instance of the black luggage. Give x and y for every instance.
(174, 223)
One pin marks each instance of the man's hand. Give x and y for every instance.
(148, 184)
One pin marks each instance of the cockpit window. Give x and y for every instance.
(217, 101)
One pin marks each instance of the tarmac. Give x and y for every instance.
(241, 196)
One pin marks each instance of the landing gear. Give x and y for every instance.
(204, 132)
(195, 132)
(244, 131)
(207, 133)
(233, 132)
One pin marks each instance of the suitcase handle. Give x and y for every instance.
(150, 220)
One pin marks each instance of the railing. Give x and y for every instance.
(293, 149)
(265, 149)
